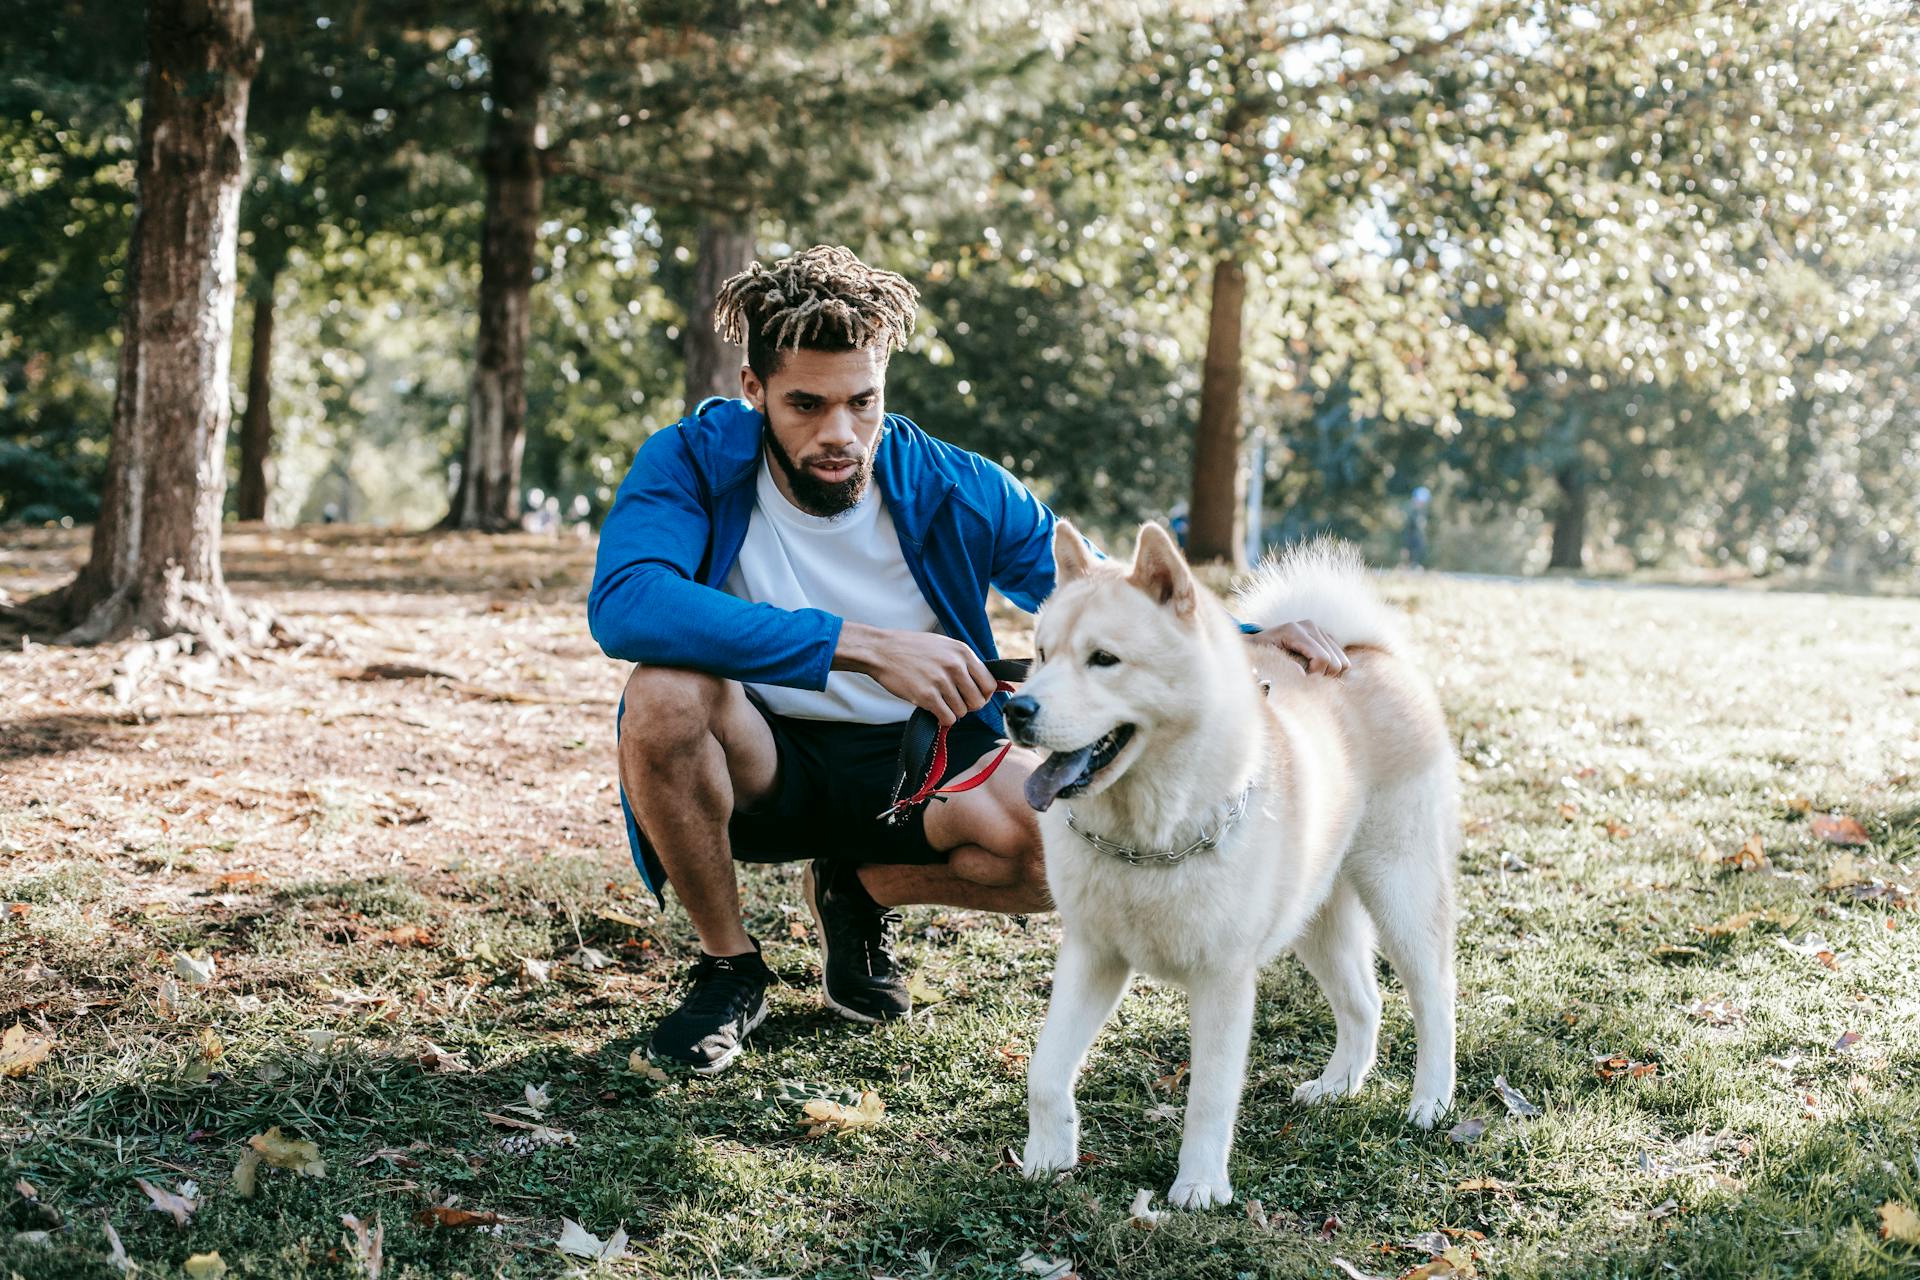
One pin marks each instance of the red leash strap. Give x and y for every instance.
(930, 785)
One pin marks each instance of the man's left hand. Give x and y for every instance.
(1308, 645)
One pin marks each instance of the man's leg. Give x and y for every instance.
(692, 750)
(992, 843)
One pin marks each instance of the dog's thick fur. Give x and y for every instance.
(1348, 841)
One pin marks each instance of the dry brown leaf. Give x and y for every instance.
(366, 1244)
(1837, 828)
(825, 1116)
(283, 1152)
(18, 910)
(1569, 810)
(641, 1065)
(234, 879)
(22, 1050)
(1617, 1065)
(180, 1206)
(1617, 829)
(26, 1189)
(442, 1215)
(621, 917)
(1751, 856)
(1800, 805)
(1719, 1012)
(1493, 1185)
(405, 935)
(1741, 921)
(1899, 1222)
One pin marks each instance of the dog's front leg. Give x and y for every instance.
(1222, 1023)
(1088, 982)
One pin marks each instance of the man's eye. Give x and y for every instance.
(1101, 658)
(863, 402)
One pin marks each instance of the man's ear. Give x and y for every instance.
(1071, 559)
(1161, 571)
(750, 389)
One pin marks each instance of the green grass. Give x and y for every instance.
(1615, 745)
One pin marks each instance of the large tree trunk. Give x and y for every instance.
(1212, 533)
(713, 366)
(489, 493)
(1570, 518)
(256, 423)
(155, 561)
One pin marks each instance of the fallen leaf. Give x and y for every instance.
(1741, 921)
(581, 1243)
(19, 910)
(539, 1134)
(117, 1253)
(1569, 810)
(439, 1061)
(283, 1152)
(366, 1245)
(22, 1050)
(205, 1266)
(591, 960)
(1719, 1012)
(1837, 828)
(1468, 1130)
(1431, 1243)
(1665, 1209)
(401, 1157)
(1141, 1212)
(246, 1175)
(443, 1215)
(1165, 1112)
(538, 1098)
(1899, 1222)
(1171, 1081)
(197, 970)
(825, 1116)
(640, 1064)
(1617, 829)
(1676, 951)
(621, 917)
(1751, 856)
(234, 879)
(1800, 805)
(1486, 1184)
(535, 973)
(26, 1189)
(1610, 1066)
(1355, 1273)
(1043, 1267)
(924, 992)
(180, 1206)
(1815, 945)
(404, 935)
(1517, 1104)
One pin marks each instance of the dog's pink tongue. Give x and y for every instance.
(1055, 774)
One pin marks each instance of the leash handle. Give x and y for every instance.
(926, 736)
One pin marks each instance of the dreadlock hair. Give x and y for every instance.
(824, 299)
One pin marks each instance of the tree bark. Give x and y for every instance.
(154, 565)
(713, 366)
(1570, 518)
(489, 493)
(256, 423)
(1213, 535)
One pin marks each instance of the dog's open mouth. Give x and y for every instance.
(1068, 773)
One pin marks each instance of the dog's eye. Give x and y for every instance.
(1101, 658)
(1039, 655)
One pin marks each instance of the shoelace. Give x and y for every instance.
(871, 933)
(720, 986)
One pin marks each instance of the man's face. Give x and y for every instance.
(824, 410)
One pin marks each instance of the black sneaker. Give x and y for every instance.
(708, 1030)
(857, 968)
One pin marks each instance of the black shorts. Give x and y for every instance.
(835, 780)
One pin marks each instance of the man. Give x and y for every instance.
(795, 572)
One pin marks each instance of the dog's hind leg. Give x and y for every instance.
(1411, 901)
(1337, 949)
(1088, 982)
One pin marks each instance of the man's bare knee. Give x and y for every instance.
(668, 709)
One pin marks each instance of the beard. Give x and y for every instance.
(819, 497)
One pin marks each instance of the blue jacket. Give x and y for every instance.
(681, 515)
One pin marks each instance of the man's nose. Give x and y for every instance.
(1021, 713)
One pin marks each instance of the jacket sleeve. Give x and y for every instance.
(1023, 542)
(647, 604)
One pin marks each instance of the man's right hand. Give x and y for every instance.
(931, 671)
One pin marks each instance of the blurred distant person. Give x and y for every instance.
(330, 514)
(1417, 509)
(1177, 524)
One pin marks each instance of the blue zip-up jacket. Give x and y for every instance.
(680, 517)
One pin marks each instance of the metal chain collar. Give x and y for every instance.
(1137, 857)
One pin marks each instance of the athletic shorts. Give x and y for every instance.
(835, 780)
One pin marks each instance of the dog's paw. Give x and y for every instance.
(1426, 1112)
(1200, 1192)
(1326, 1089)
(1049, 1153)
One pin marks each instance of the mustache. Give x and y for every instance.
(815, 458)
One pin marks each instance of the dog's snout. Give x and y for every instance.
(1020, 713)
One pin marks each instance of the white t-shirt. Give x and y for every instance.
(850, 565)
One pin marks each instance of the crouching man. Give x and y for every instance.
(795, 572)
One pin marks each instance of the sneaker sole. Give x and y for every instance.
(808, 890)
(720, 1064)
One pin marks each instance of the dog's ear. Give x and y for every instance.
(1071, 559)
(1161, 571)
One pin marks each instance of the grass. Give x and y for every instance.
(1617, 746)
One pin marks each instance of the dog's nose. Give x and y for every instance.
(1020, 713)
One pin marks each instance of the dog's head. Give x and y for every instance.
(1116, 650)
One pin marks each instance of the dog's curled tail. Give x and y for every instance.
(1325, 581)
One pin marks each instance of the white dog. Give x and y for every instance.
(1217, 807)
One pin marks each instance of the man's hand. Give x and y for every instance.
(1308, 645)
(935, 672)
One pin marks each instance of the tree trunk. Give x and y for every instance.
(256, 423)
(713, 366)
(155, 560)
(489, 493)
(1212, 533)
(1570, 518)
